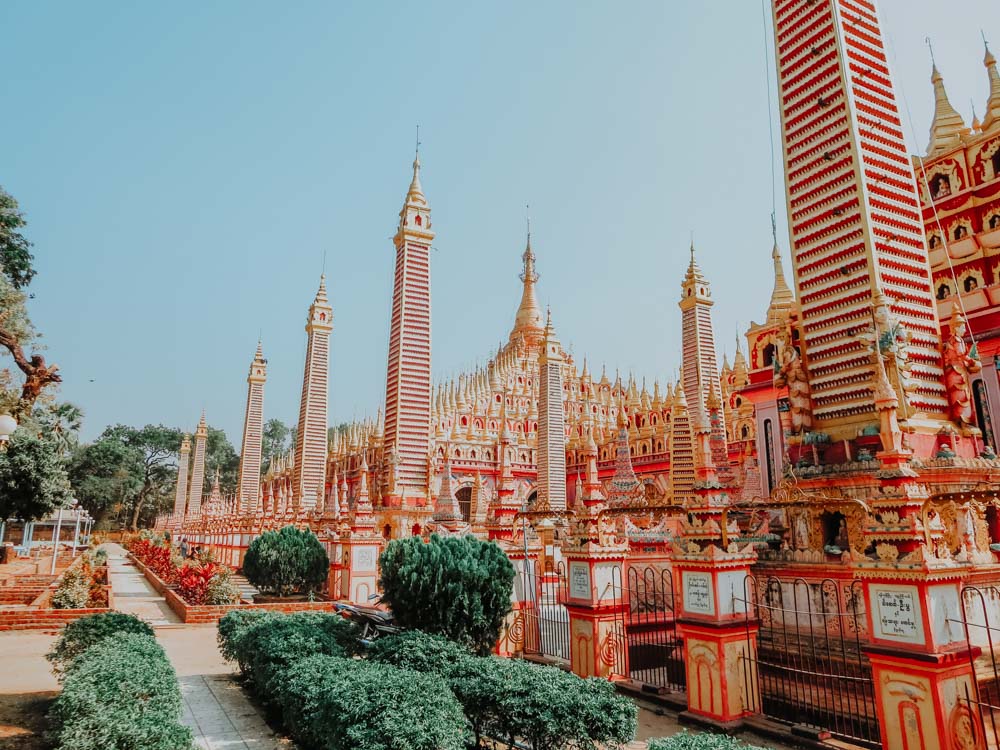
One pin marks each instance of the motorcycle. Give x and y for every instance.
(372, 622)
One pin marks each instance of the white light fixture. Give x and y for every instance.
(7, 426)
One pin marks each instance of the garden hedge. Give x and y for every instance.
(120, 693)
(705, 741)
(335, 704)
(505, 699)
(80, 635)
(265, 647)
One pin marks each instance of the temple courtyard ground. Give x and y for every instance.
(218, 710)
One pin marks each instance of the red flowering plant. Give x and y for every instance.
(193, 580)
(160, 558)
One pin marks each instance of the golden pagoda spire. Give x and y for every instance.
(948, 127)
(782, 298)
(992, 115)
(528, 322)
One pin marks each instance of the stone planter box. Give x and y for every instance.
(212, 613)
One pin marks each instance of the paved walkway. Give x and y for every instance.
(132, 593)
(215, 706)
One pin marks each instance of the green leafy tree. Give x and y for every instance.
(61, 423)
(16, 259)
(158, 446)
(277, 439)
(221, 456)
(106, 474)
(286, 561)
(458, 587)
(33, 479)
(18, 392)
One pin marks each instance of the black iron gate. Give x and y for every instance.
(983, 697)
(546, 619)
(810, 669)
(655, 651)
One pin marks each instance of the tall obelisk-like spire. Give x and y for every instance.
(253, 432)
(198, 469)
(180, 493)
(700, 365)
(857, 236)
(408, 371)
(309, 471)
(551, 424)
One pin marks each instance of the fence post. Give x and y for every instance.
(919, 652)
(520, 631)
(596, 602)
(714, 618)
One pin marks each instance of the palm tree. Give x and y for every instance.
(63, 422)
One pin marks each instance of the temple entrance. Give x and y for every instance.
(655, 651)
(810, 668)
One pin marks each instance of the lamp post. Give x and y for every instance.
(76, 531)
(55, 541)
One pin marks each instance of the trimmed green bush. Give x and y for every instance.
(705, 741)
(121, 693)
(273, 645)
(285, 562)
(458, 587)
(234, 627)
(80, 635)
(333, 704)
(421, 652)
(543, 707)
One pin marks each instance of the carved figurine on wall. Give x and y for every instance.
(800, 537)
(789, 371)
(959, 365)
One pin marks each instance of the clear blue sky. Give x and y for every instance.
(184, 167)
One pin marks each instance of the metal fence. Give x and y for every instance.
(982, 699)
(546, 619)
(646, 648)
(810, 669)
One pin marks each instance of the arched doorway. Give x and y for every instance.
(464, 496)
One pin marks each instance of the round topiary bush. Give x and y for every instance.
(120, 693)
(458, 587)
(286, 562)
(80, 635)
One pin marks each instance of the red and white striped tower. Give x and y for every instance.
(857, 238)
(198, 469)
(180, 494)
(551, 423)
(408, 374)
(253, 432)
(309, 470)
(700, 369)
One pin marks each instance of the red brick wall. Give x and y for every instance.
(208, 613)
